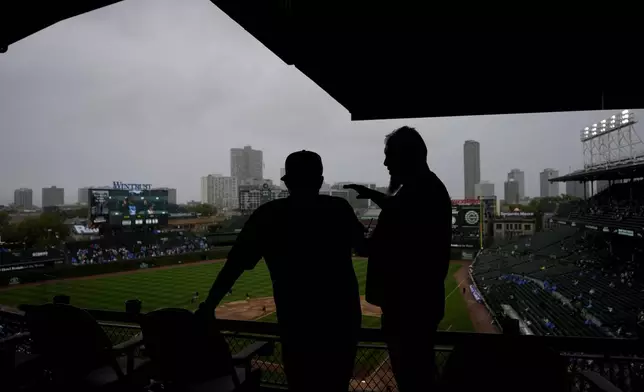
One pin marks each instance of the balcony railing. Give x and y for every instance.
(617, 360)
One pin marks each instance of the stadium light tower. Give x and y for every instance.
(612, 140)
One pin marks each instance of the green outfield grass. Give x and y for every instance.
(173, 287)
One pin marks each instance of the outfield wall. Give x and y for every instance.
(64, 271)
(463, 254)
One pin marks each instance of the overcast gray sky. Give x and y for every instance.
(158, 91)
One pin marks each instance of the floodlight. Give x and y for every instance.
(625, 111)
(613, 116)
(594, 125)
(586, 129)
(603, 121)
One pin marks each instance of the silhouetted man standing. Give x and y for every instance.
(306, 240)
(409, 255)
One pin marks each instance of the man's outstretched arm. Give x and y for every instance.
(244, 255)
(224, 282)
(379, 198)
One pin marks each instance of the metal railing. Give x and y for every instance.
(617, 360)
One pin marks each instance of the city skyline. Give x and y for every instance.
(74, 113)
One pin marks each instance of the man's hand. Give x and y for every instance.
(363, 191)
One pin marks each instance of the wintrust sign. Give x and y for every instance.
(131, 187)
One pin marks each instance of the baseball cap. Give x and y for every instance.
(302, 164)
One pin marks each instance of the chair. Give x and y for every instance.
(74, 352)
(10, 358)
(503, 367)
(188, 356)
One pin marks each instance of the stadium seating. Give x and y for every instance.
(618, 204)
(584, 283)
(145, 245)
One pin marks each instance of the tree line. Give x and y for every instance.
(49, 227)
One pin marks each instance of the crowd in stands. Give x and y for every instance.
(620, 203)
(565, 282)
(152, 246)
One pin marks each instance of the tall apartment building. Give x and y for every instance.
(251, 196)
(601, 185)
(219, 191)
(576, 189)
(511, 195)
(53, 196)
(471, 167)
(23, 198)
(83, 195)
(484, 189)
(246, 164)
(518, 176)
(547, 188)
(172, 194)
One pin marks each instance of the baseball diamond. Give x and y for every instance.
(174, 286)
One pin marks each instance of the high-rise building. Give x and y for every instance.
(219, 191)
(472, 167)
(576, 189)
(484, 189)
(511, 195)
(83, 195)
(518, 176)
(252, 196)
(53, 196)
(23, 198)
(246, 164)
(547, 188)
(601, 185)
(172, 194)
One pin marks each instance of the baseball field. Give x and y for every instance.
(175, 286)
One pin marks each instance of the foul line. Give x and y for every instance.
(455, 288)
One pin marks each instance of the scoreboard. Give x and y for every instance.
(128, 208)
(466, 224)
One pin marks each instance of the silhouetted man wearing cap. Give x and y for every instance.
(307, 241)
(409, 255)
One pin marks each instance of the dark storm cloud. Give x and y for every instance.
(159, 91)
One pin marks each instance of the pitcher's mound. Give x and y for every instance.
(260, 307)
(246, 310)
